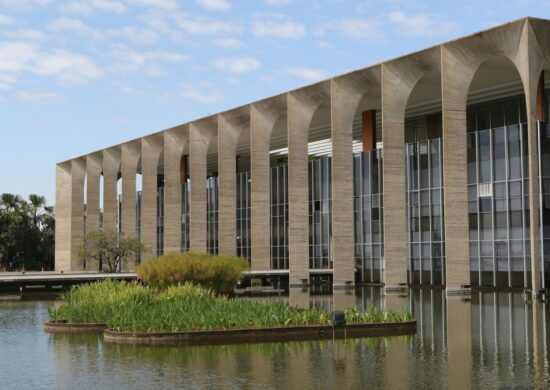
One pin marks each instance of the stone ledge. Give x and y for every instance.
(260, 335)
(73, 328)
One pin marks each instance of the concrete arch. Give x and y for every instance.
(151, 148)
(202, 138)
(347, 95)
(399, 77)
(174, 144)
(460, 61)
(94, 163)
(111, 168)
(301, 107)
(231, 126)
(130, 162)
(69, 199)
(264, 117)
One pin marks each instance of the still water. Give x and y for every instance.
(491, 341)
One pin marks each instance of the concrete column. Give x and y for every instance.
(228, 134)
(197, 168)
(150, 153)
(130, 154)
(343, 105)
(396, 87)
(261, 125)
(63, 216)
(300, 113)
(69, 200)
(111, 165)
(173, 148)
(531, 59)
(455, 79)
(93, 172)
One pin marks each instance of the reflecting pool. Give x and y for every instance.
(490, 340)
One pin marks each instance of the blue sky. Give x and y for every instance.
(81, 75)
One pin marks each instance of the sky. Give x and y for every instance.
(81, 75)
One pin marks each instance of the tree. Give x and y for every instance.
(109, 250)
(27, 232)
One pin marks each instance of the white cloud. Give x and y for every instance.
(163, 4)
(108, 5)
(230, 43)
(325, 44)
(86, 7)
(67, 67)
(202, 25)
(150, 61)
(25, 34)
(237, 64)
(36, 96)
(24, 4)
(277, 3)
(6, 20)
(215, 5)
(134, 34)
(423, 24)
(352, 28)
(17, 58)
(14, 56)
(6, 80)
(200, 94)
(309, 74)
(278, 26)
(76, 26)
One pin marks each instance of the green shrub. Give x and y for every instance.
(134, 307)
(218, 273)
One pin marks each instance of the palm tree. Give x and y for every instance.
(36, 207)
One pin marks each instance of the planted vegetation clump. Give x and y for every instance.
(133, 307)
(218, 273)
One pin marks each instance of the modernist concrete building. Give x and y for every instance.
(428, 169)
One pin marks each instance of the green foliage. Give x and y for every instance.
(109, 250)
(219, 273)
(134, 307)
(27, 233)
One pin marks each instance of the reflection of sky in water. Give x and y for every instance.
(494, 340)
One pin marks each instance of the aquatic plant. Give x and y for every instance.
(219, 273)
(131, 306)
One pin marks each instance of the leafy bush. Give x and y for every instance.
(218, 273)
(134, 307)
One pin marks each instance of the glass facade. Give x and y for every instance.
(320, 216)
(498, 194)
(426, 242)
(185, 187)
(279, 217)
(138, 221)
(544, 188)
(160, 219)
(368, 211)
(212, 215)
(243, 215)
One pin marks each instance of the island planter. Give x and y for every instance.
(260, 335)
(64, 327)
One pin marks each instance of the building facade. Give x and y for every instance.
(428, 169)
